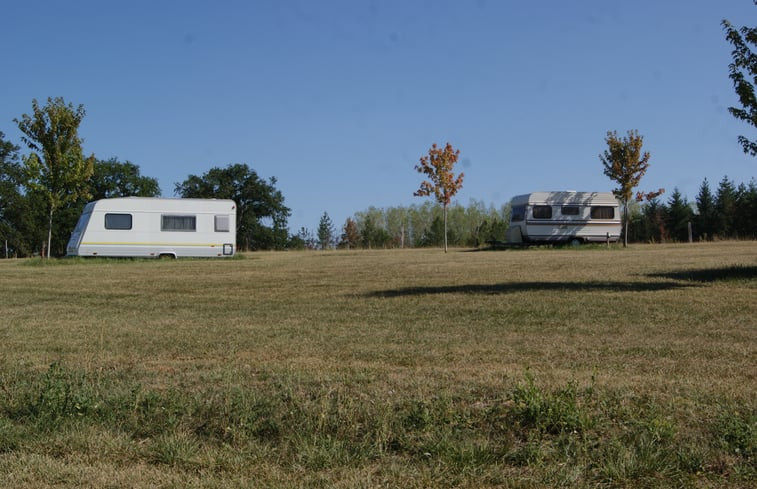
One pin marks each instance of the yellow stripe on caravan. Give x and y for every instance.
(109, 243)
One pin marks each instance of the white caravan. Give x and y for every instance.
(570, 216)
(154, 227)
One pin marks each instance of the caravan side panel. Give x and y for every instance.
(146, 227)
(543, 217)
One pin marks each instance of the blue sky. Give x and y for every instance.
(339, 99)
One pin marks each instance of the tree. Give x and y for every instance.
(373, 235)
(745, 211)
(725, 207)
(261, 213)
(625, 164)
(743, 73)
(326, 232)
(438, 167)
(111, 178)
(56, 166)
(678, 216)
(706, 218)
(303, 240)
(15, 217)
(350, 234)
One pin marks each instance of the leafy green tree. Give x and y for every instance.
(303, 240)
(625, 164)
(372, 235)
(678, 217)
(438, 166)
(15, 215)
(706, 218)
(435, 234)
(743, 73)
(56, 166)
(326, 232)
(112, 178)
(261, 213)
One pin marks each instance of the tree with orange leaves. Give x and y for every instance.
(442, 183)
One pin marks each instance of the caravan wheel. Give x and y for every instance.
(576, 242)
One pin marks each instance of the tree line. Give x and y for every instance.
(728, 212)
(414, 226)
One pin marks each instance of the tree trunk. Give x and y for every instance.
(49, 232)
(445, 228)
(625, 225)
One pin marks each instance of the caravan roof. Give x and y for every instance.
(565, 197)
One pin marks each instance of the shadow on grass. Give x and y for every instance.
(513, 287)
(722, 274)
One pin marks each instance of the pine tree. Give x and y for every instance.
(326, 232)
(725, 205)
(678, 216)
(706, 218)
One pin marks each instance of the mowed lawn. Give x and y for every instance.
(574, 367)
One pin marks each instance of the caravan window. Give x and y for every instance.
(602, 212)
(178, 223)
(518, 213)
(542, 212)
(570, 210)
(117, 221)
(222, 224)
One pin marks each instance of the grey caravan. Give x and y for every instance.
(565, 216)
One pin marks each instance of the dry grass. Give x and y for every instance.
(659, 334)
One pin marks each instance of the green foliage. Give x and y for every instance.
(730, 213)
(608, 439)
(736, 429)
(56, 167)
(678, 217)
(706, 215)
(625, 164)
(326, 232)
(261, 213)
(743, 73)
(15, 215)
(552, 413)
(373, 235)
(112, 178)
(422, 225)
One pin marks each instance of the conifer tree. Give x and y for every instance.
(706, 218)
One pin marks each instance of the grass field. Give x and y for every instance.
(586, 367)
